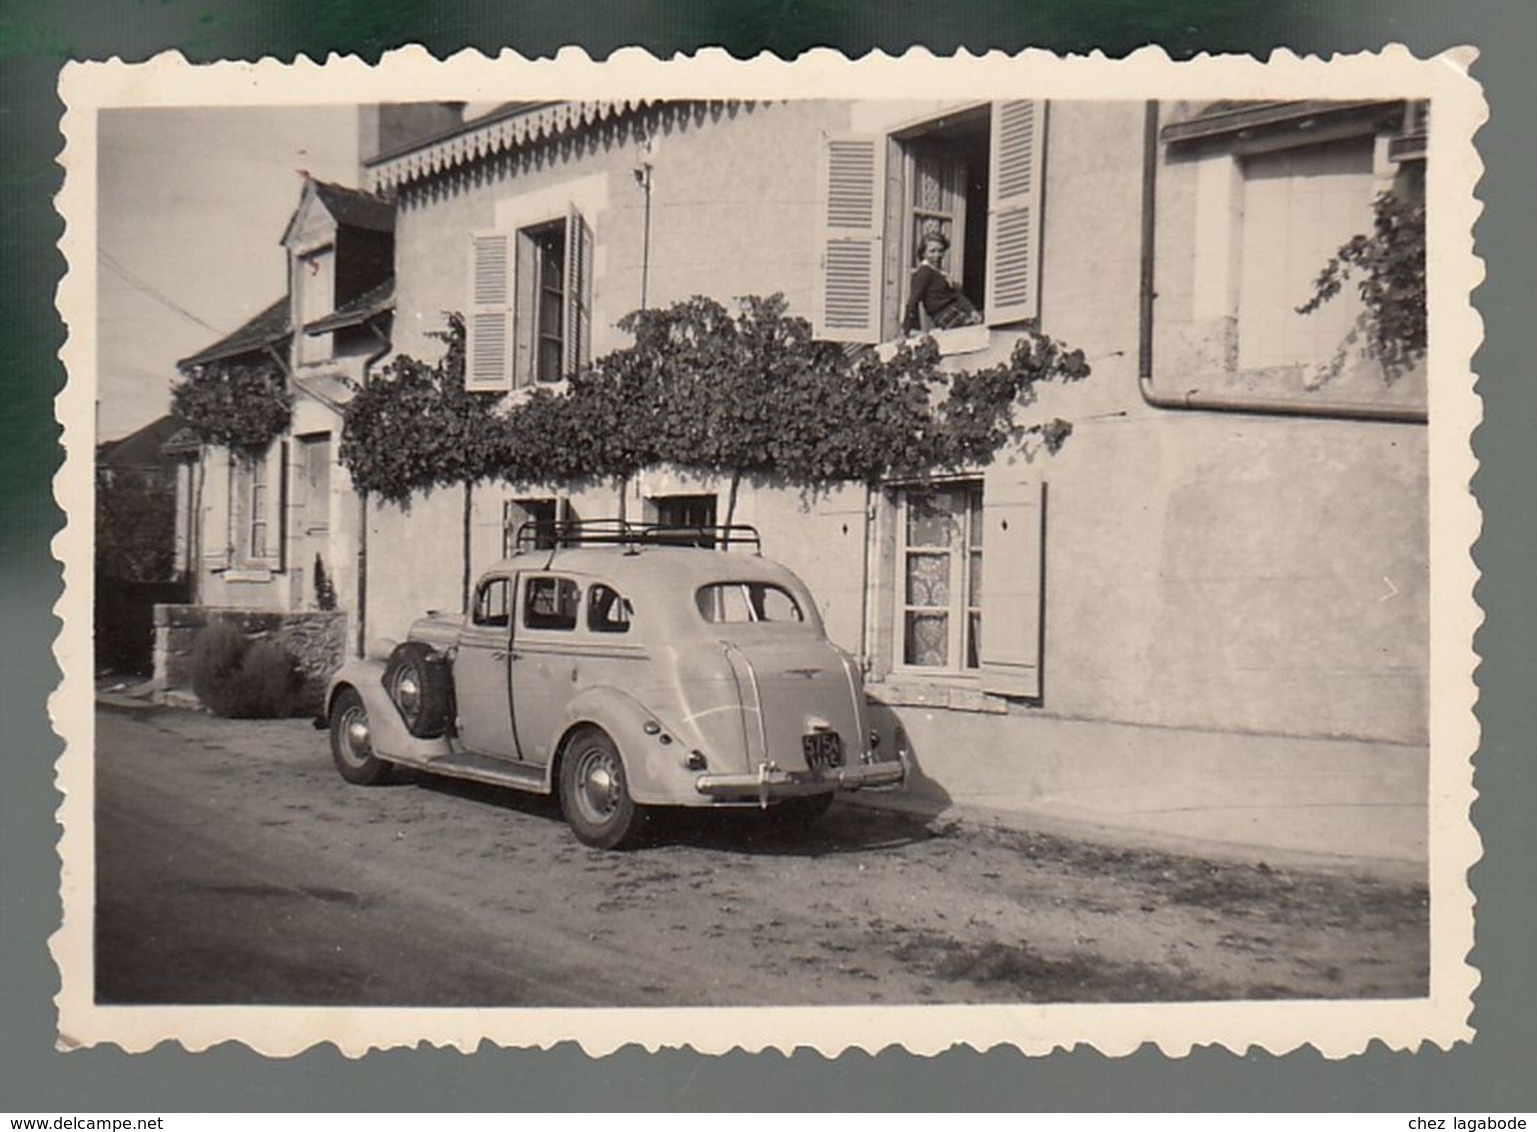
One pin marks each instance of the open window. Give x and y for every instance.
(546, 513)
(973, 175)
(530, 304)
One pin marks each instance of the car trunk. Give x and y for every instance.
(798, 692)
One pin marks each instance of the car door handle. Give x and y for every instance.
(504, 654)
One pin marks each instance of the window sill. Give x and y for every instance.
(961, 340)
(248, 574)
(955, 694)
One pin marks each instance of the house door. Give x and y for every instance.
(312, 521)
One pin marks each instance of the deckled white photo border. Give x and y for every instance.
(1334, 1028)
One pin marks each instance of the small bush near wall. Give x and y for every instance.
(314, 639)
(242, 679)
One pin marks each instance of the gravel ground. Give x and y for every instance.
(236, 866)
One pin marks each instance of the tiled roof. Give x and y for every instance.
(141, 449)
(1238, 116)
(355, 208)
(267, 329)
(357, 310)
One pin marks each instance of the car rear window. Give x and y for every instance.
(736, 603)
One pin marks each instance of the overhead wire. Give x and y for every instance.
(136, 281)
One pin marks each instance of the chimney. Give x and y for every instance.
(391, 126)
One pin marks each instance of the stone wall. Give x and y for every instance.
(316, 640)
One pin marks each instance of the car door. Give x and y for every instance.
(482, 690)
(546, 662)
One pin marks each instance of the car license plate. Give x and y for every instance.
(823, 749)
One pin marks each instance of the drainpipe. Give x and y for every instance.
(361, 602)
(1218, 402)
(867, 653)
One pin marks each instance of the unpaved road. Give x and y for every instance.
(235, 866)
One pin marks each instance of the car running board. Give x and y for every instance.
(497, 772)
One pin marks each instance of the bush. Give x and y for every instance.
(241, 679)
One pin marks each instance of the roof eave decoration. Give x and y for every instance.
(499, 135)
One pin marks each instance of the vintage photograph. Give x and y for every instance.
(948, 552)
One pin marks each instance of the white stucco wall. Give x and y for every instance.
(1206, 571)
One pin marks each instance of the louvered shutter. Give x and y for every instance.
(1014, 211)
(1013, 541)
(847, 307)
(578, 298)
(284, 503)
(489, 335)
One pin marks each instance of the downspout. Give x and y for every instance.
(867, 654)
(361, 602)
(1217, 402)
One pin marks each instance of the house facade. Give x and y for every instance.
(1225, 570)
(278, 527)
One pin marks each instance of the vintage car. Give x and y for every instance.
(623, 667)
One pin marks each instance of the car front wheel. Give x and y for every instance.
(595, 793)
(352, 747)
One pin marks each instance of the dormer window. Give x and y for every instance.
(314, 288)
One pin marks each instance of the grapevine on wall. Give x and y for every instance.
(1388, 267)
(240, 406)
(701, 388)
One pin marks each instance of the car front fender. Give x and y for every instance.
(391, 740)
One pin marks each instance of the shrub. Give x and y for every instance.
(241, 679)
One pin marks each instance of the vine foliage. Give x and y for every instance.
(1388, 268)
(240, 406)
(705, 389)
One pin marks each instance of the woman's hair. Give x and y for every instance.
(934, 238)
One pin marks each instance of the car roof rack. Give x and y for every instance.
(563, 533)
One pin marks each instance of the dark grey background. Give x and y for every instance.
(1492, 1074)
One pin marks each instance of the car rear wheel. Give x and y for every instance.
(595, 793)
(351, 744)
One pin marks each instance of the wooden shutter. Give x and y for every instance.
(847, 307)
(1013, 544)
(489, 334)
(285, 471)
(1018, 143)
(578, 313)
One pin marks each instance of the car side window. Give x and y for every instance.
(608, 611)
(550, 603)
(493, 603)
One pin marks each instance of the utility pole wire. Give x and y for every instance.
(139, 284)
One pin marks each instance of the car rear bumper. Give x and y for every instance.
(772, 783)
